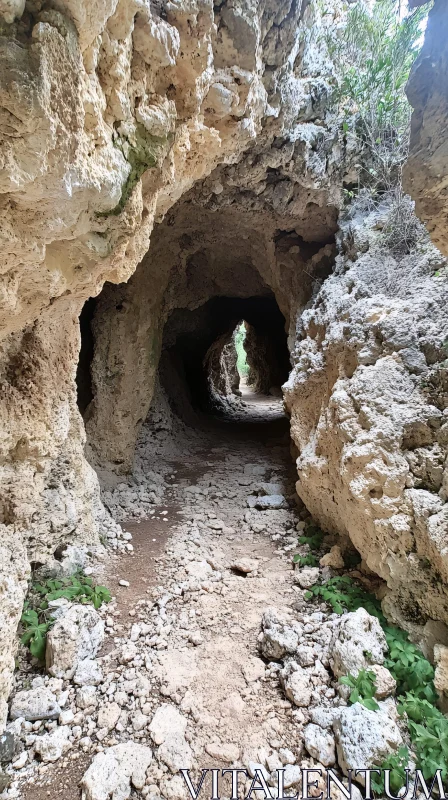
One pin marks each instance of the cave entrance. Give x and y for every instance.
(227, 350)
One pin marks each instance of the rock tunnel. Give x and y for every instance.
(206, 272)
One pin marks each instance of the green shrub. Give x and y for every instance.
(374, 53)
(242, 365)
(416, 694)
(397, 763)
(363, 688)
(344, 594)
(35, 619)
(313, 537)
(306, 561)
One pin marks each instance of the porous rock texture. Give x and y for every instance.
(426, 172)
(110, 112)
(368, 402)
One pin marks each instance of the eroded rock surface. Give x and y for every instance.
(368, 404)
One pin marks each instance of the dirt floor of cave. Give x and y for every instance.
(213, 672)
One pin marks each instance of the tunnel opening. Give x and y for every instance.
(199, 361)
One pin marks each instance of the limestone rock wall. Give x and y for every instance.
(426, 172)
(369, 413)
(110, 111)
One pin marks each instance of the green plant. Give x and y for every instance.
(431, 744)
(242, 365)
(344, 594)
(34, 633)
(363, 688)
(35, 618)
(410, 668)
(313, 537)
(373, 54)
(306, 561)
(78, 586)
(397, 763)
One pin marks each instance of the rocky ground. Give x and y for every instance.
(209, 654)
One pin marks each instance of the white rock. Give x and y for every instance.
(109, 715)
(34, 704)
(286, 756)
(20, 762)
(320, 744)
(307, 577)
(176, 753)
(270, 501)
(86, 697)
(201, 570)
(364, 737)
(167, 729)
(292, 776)
(166, 719)
(245, 565)
(279, 637)
(297, 684)
(358, 643)
(384, 680)
(88, 673)
(139, 721)
(253, 767)
(66, 717)
(333, 558)
(77, 635)
(112, 773)
(51, 746)
(123, 583)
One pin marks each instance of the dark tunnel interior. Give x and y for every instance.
(194, 340)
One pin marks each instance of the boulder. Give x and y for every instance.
(34, 704)
(297, 684)
(76, 635)
(51, 746)
(358, 643)
(364, 738)
(384, 680)
(333, 558)
(88, 673)
(279, 637)
(112, 773)
(167, 729)
(270, 502)
(320, 744)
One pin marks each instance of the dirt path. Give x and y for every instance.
(195, 663)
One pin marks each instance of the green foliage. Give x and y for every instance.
(409, 667)
(242, 365)
(363, 688)
(34, 633)
(35, 618)
(374, 54)
(397, 763)
(306, 561)
(344, 594)
(428, 727)
(313, 537)
(430, 741)
(77, 587)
